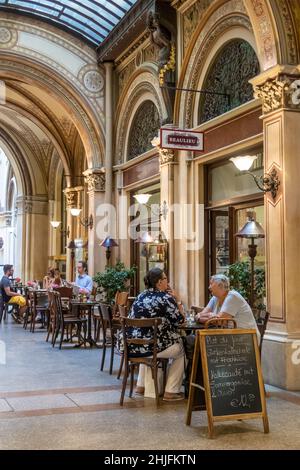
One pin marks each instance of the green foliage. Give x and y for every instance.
(240, 280)
(114, 279)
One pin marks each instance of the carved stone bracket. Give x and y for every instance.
(72, 196)
(32, 205)
(280, 92)
(95, 179)
(165, 155)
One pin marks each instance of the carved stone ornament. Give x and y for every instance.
(71, 197)
(95, 181)
(165, 155)
(280, 92)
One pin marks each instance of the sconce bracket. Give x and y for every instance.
(269, 182)
(87, 222)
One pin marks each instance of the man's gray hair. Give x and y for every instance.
(221, 280)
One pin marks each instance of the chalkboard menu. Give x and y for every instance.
(231, 377)
(232, 374)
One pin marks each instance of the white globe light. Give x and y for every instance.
(244, 163)
(55, 223)
(75, 212)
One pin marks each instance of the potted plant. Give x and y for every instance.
(114, 279)
(240, 279)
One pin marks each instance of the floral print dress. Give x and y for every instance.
(153, 303)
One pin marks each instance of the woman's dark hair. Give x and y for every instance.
(51, 271)
(152, 277)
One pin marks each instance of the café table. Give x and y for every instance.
(86, 307)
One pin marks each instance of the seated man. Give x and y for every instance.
(227, 303)
(83, 281)
(9, 296)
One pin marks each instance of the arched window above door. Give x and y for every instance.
(230, 72)
(144, 128)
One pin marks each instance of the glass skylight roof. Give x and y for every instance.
(91, 19)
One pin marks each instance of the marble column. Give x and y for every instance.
(95, 180)
(73, 201)
(108, 130)
(279, 90)
(32, 237)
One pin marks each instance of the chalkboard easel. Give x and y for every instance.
(232, 381)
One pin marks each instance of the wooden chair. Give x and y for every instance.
(112, 326)
(262, 318)
(123, 311)
(39, 303)
(220, 323)
(121, 298)
(63, 322)
(131, 361)
(3, 309)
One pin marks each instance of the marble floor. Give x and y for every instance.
(59, 399)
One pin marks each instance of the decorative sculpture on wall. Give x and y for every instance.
(161, 38)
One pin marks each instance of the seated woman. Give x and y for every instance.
(227, 303)
(154, 302)
(57, 281)
(48, 279)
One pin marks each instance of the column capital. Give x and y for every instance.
(95, 179)
(165, 155)
(72, 196)
(278, 89)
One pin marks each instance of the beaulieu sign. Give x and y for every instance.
(180, 139)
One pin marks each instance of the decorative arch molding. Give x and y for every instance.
(143, 86)
(14, 153)
(229, 20)
(275, 31)
(12, 193)
(81, 113)
(55, 169)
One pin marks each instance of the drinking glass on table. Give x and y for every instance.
(190, 316)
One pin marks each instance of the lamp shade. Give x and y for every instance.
(243, 163)
(109, 242)
(71, 245)
(55, 223)
(75, 211)
(142, 198)
(251, 229)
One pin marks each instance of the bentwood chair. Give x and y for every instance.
(133, 360)
(262, 318)
(63, 322)
(220, 323)
(110, 327)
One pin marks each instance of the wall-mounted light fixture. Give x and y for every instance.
(87, 222)
(269, 182)
(108, 243)
(144, 198)
(56, 223)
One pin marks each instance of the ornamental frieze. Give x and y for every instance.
(191, 19)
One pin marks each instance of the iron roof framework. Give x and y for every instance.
(92, 20)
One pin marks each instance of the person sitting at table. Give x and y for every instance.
(154, 302)
(9, 296)
(49, 278)
(83, 280)
(227, 303)
(57, 281)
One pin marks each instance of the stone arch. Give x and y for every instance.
(275, 31)
(218, 25)
(143, 86)
(73, 101)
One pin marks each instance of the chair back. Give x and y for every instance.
(121, 298)
(262, 318)
(106, 313)
(149, 323)
(65, 292)
(220, 323)
(57, 307)
(123, 311)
